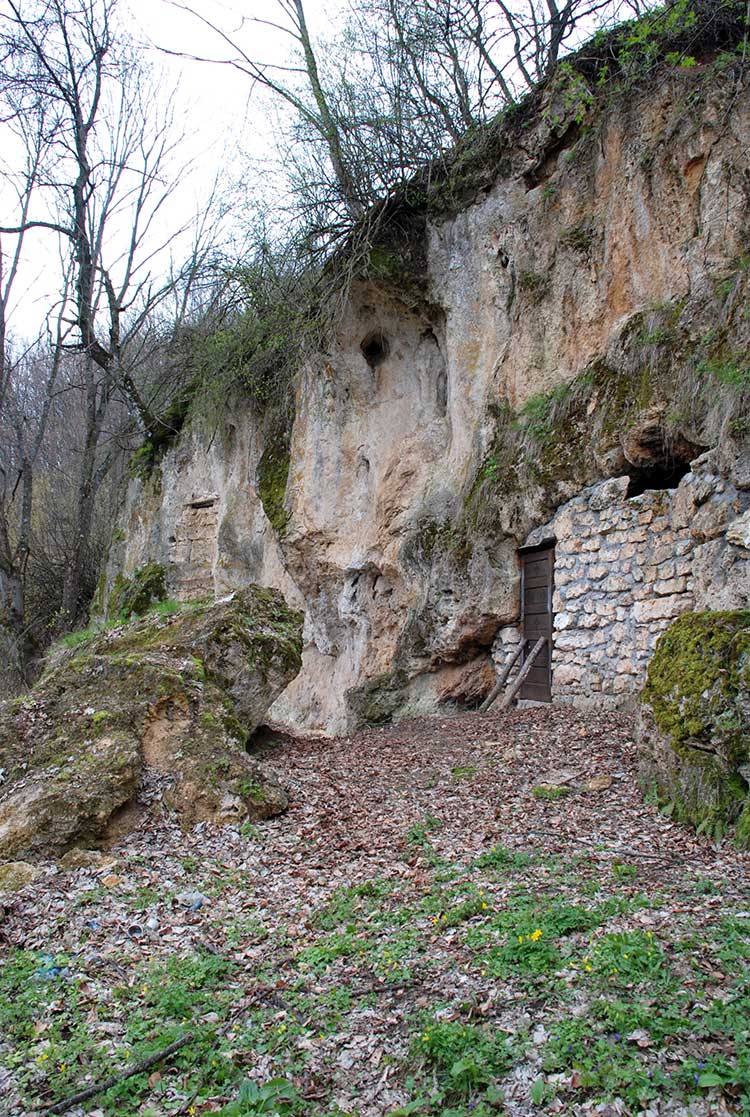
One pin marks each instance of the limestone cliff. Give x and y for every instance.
(568, 303)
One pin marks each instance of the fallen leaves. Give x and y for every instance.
(255, 898)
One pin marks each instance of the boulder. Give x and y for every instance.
(172, 697)
(16, 875)
(694, 724)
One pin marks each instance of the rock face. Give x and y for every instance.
(171, 699)
(694, 730)
(558, 334)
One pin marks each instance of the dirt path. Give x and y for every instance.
(461, 915)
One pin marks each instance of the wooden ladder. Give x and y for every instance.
(520, 678)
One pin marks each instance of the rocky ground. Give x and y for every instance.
(469, 915)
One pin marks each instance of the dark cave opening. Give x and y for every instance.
(375, 349)
(659, 475)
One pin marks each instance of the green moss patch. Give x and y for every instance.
(698, 695)
(273, 473)
(699, 681)
(134, 596)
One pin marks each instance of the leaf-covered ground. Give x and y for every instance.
(460, 916)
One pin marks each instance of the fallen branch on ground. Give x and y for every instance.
(116, 1079)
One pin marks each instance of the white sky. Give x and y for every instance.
(221, 119)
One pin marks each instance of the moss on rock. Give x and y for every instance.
(377, 700)
(273, 473)
(179, 694)
(695, 723)
(134, 596)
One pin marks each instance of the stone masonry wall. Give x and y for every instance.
(623, 572)
(625, 567)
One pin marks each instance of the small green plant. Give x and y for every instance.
(627, 958)
(80, 636)
(465, 772)
(581, 239)
(573, 91)
(500, 857)
(704, 886)
(276, 1098)
(328, 949)
(732, 372)
(550, 791)
(465, 1060)
(248, 789)
(419, 835)
(347, 905)
(534, 284)
(166, 608)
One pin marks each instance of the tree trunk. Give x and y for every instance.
(84, 517)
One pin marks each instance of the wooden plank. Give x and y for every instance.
(518, 682)
(513, 658)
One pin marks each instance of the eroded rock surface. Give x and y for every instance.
(694, 726)
(570, 299)
(173, 698)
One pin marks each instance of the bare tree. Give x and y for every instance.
(399, 84)
(26, 384)
(102, 190)
(298, 83)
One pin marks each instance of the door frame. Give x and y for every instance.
(547, 548)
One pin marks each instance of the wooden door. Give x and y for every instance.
(537, 582)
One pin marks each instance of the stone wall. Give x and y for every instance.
(625, 567)
(408, 491)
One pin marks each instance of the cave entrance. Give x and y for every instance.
(657, 458)
(663, 476)
(537, 584)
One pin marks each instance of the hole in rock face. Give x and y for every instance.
(657, 458)
(658, 476)
(375, 349)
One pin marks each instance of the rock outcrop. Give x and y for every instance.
(171, 699)
(563, 307)
(694, 730)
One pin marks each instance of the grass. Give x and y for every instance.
(666, 1007)
(82, 635)
(550, 791)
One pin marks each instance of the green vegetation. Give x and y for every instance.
(535, 284)
(459, 1063)
(698, 675)
(550, 791)
(375, 701)
(164, 432)
(657, 1024)
(134, 596)
(697, 689)
(273, 472)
